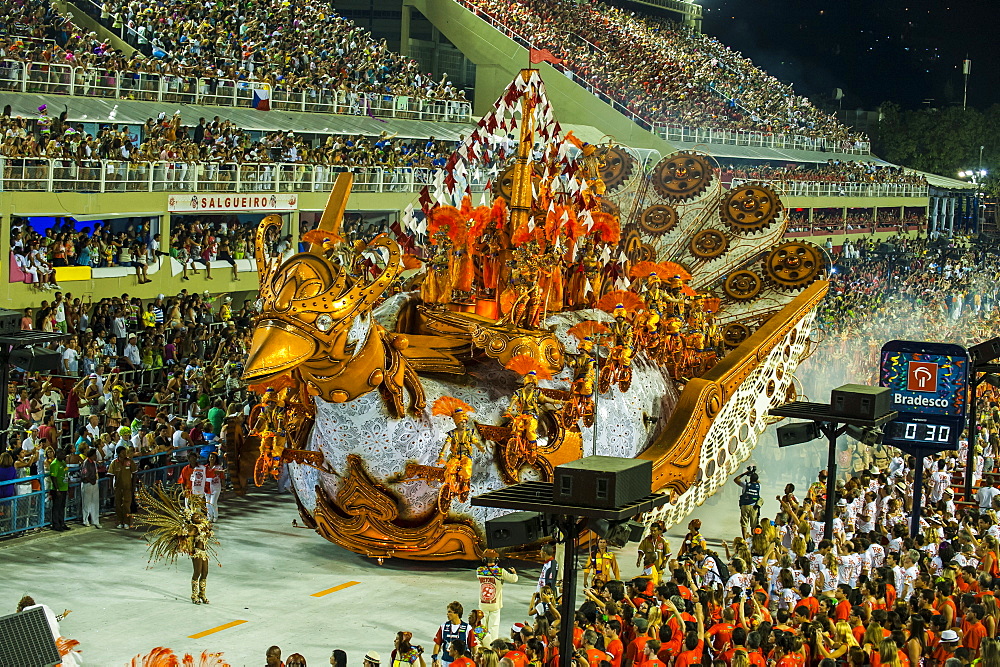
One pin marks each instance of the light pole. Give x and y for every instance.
(977, 176)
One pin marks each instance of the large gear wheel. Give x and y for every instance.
(633, 244)
(682, 176)
(793, 265)
(750, 208)
(658, 219)
(609, 206)
(735, 333)
(616, 166)
(709, 243)
(503, 186)
(743, 285)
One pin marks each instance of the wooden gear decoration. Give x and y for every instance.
(616, 166)
(709, 243)
(743, 285)
(750, 208)
(735, 333)
(794, 265)
(682, 176)
(658, 219)
(503, 186)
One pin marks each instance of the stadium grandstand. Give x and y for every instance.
(155, 100)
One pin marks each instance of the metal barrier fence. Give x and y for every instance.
(797, 188)
(30, 508)
(674, 132)
(60, 79)
(47, 175)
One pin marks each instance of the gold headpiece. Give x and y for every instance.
(308, 305)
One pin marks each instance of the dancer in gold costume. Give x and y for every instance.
(456, 453)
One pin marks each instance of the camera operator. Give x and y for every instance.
(750, 501)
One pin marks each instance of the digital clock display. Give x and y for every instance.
(917, 432)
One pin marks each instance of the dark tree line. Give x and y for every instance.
(941, 141)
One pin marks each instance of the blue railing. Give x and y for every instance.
(32, 510)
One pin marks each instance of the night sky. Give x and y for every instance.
(904, 51)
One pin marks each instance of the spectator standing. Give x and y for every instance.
(58, 471)
(90, 489)
(122, 469)
(455, 629)
(214, 475)
(7, 473)
(749, 499)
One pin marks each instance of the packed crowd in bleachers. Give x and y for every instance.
(660, 71)
(169, 139)
(296, 47)
(139, 386)
(833, 171)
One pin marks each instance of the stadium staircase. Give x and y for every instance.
(499, 57)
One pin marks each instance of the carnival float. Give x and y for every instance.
(594, 300)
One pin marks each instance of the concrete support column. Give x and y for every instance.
(404, 31)
(933, 221)
(953, 201)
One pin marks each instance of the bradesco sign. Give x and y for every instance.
(926, 378)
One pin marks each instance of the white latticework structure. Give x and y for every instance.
(736, 429)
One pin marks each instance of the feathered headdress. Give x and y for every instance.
(320, 236)
(645, 269)
(631, 301)
(166, 657)
(711, 304)
(169, 519)
(687, 290)
(274, 384)
(671, 269)
(606, 226)
(449, 405)
(411, 262)
(587, 329)
(524, 364)
(498, 214)
(449, 220)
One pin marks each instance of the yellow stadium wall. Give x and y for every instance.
(20, 295)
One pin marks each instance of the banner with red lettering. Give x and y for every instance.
(222, 203)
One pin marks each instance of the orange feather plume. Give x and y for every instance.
(645, 269)
(498, 214)
(523, 364)
(606, 226)
(448, 405)
(630, 300)
(671, 269)
(507, 300)
(449, 220)
(687, 290)
(711, 304)
(411, 262)
(521, 235)
(588, 328)
(480, 219)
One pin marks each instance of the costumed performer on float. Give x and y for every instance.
(456, 453)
